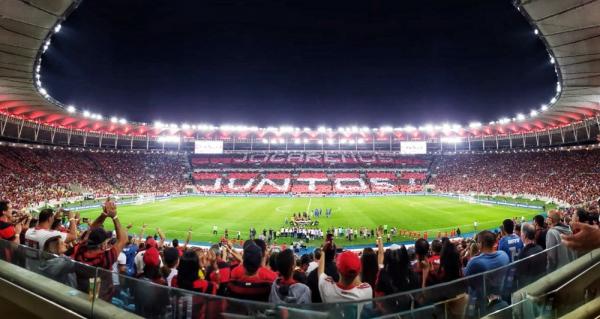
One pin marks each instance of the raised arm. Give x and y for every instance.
(111, 211)
(162, 237)
(188, 238)
(73, 220)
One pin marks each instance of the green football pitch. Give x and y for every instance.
(415, 213)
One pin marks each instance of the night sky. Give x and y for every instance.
(299, 62)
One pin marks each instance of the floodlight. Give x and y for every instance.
(558, 87)
(185, 126)
(361, 141)
(386, 129)
(321, 129)
(533, 113)
(43, 91)
(409, 128)
(320, 142)
(57, 28)
(158, 124)
(544, 107)
(71, 109)
(536, 32)
(552, 61)
(265, 141)
(520, 117)
(503, 120)
(553, 100)
(475, 125)
(114, 119)
(297, 141)
(86, 113)
(330, 141)
(306, 129)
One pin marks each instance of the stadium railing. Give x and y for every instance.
(73, 285)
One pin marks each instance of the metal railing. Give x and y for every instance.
(89, 286)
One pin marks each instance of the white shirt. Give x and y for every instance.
(121, 260)
(139, 261)
(37, 237)
(171, 275)
(331, 292)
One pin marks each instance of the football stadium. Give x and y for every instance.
(172, 208)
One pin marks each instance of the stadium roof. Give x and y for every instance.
(569, 28)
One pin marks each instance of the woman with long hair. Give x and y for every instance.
(370, 267)
(395, 276)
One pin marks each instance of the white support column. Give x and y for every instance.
(587, 129)
(100, 141)
(20, 130)
(37, 132)
(497, 143)
(131, 143)
(116, 141)
(469, 141)
(52, 134)
(562, 135)
(147, 141)
(510, 140)
(537, 139)
(574, 131)
(69, 136)
(482, 142)
(524, 142)
(85, 138)
(6, 121)
(549, 136)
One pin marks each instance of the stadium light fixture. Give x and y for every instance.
(330, 141)
(504, 120)
(536, 32)
(533, 113)
(321, 129)
(544, 107)
(297, 141)
(558, 87)
(70, 109)
(38, 82)
(552, 61)
(456, 127)
(122, 121)
(158, 124)
(354, 129)
(520, 117)
(282, 141)
(185, 126)
(43, 91)
(475, 125)
(57, 28)
(265, 141)
(409, 128)
(173, 126)
(365, 129)
(361, 141)
(320, 142)
(386, 129)
(114, 119)
(553, 100)
(306, 129)
(86, 114)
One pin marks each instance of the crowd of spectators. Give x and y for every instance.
(258, 271)
(31, 175)
(569, 176)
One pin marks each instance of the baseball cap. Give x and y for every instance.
(150, 242)
(97, 237)
(348, 264)
(151, 257)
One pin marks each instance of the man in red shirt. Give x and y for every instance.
(96, 251)
(8, 231)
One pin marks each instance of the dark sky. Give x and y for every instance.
(299, 62)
